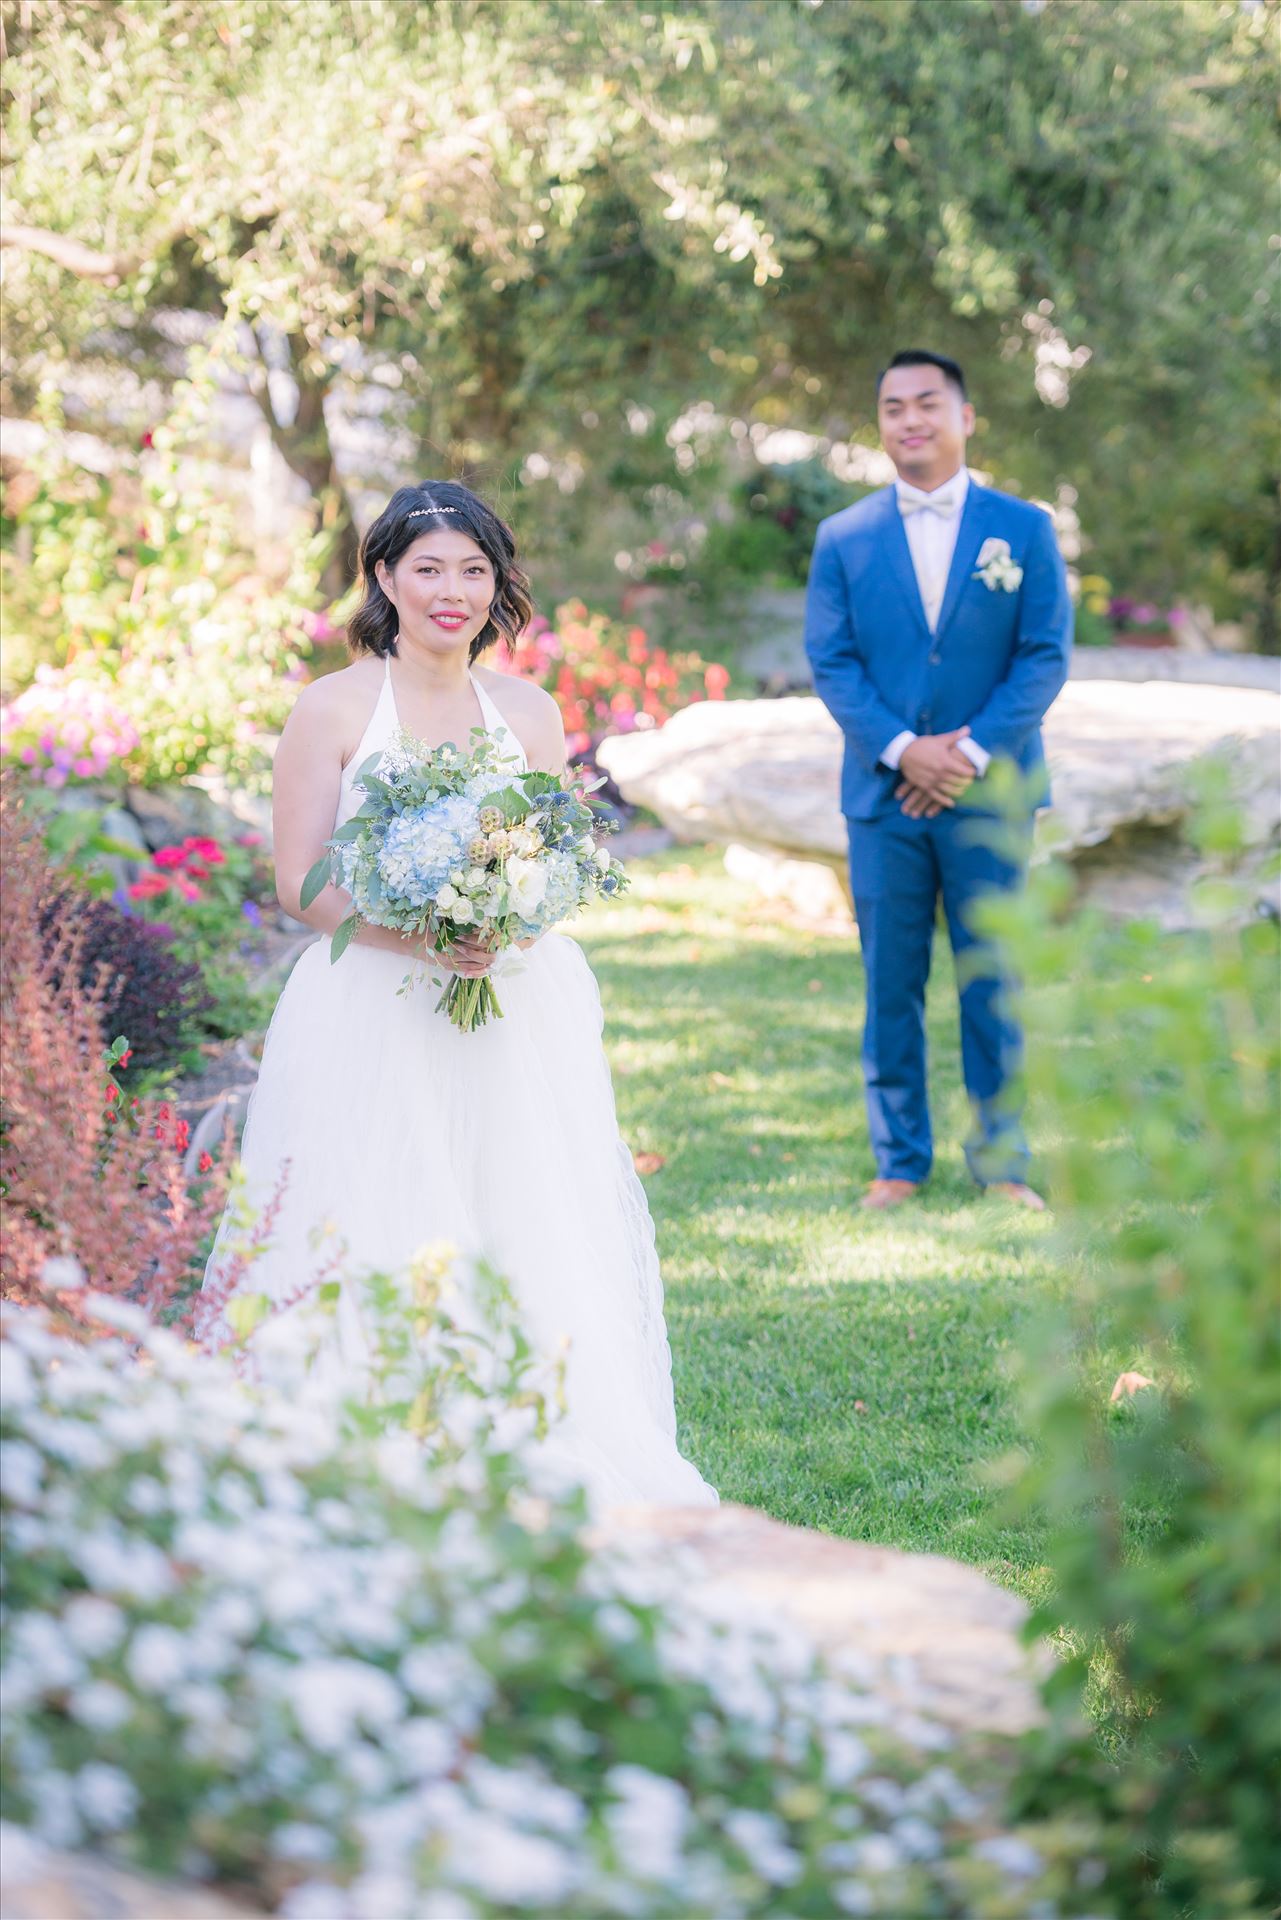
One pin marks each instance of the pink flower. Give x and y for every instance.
(168, 857)
(147, 886)
(85, 768)
(248, 839)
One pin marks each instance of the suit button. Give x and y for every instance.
(923, 719)
(935, 658)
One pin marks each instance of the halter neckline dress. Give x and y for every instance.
(383, 1129)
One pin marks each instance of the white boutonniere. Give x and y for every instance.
(998, 572)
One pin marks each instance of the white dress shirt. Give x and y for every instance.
(931, 541)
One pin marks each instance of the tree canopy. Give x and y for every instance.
(540, 222)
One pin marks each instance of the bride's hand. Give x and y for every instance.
(469, 955)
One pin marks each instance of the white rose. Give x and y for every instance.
(601, 856)
(527, 883)
(476, 878)
(447, 899)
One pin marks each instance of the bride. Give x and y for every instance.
(378, 1124)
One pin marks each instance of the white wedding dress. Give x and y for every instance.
(395, 1130)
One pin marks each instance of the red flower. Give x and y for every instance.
(204, 849)
(148, 886)
(125, 1057)
(168, 856)
(205, 1162)
(113, 1094)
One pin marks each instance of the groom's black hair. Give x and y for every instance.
(922, 357)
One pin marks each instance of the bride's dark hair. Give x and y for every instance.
(413, 511)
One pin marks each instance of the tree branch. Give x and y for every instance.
(83, 261)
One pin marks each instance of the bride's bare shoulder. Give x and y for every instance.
(336, 707)
(335, 696)
(520, 699)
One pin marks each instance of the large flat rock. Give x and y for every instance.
(939, 1639)
(765, 774)
(41, 1883)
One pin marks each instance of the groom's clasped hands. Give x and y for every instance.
(936, 774)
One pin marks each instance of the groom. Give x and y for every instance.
(938, 625)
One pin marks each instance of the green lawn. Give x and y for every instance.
(841, 1371)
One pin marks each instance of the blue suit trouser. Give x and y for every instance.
(899, 871)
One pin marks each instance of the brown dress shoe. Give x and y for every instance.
(1021, 1195)
(884, 1195)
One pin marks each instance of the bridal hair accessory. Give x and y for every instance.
(419, 511)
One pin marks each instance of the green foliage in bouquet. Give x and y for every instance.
(449, 843)
(142, 596)
(1166, 1544)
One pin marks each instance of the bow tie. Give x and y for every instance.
(943, 503)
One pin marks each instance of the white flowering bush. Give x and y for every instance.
(340, 1653)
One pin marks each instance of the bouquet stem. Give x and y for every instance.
(470, 1003)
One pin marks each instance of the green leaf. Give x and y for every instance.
(315, 883)
(245, 1311)
(343, 936)
(350, 829)
(513, 804)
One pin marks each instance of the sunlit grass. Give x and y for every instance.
(840, 1370)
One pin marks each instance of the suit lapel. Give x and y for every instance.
(974, 528)
(899, 556)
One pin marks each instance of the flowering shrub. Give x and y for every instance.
(66, 730)
(139, 607)
(608, 679)
(208, 894)
(331, 1650)
(1105, 618)
(84, 1171)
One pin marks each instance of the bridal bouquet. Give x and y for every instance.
(450, 843)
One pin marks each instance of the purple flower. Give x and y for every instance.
(1176, 616)
(252, 913)
(1145, 614)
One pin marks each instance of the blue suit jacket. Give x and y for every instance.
(994, 664)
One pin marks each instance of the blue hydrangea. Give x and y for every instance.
(565, 892)
(421, 849)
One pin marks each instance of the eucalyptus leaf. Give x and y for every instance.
(343, 936)
(315, 883)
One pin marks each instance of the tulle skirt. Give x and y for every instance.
(377, 1128)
